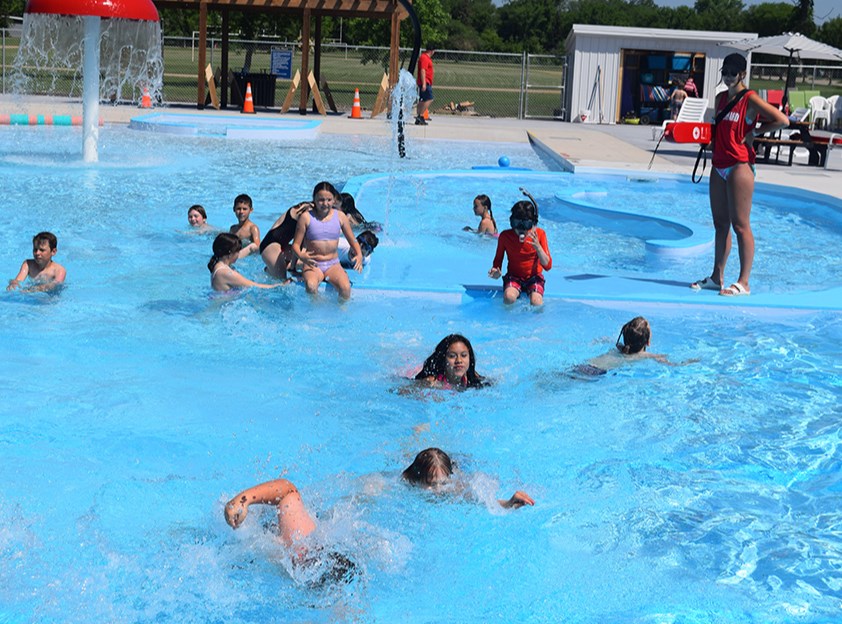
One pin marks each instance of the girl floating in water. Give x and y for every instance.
(319, 231)
(451, 365)
(226, 251)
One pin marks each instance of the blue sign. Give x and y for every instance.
(281, 63)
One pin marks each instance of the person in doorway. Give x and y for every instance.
(677, 98)
(425, 84)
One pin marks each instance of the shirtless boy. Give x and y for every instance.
(41, 270)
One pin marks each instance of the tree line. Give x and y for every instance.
(535, 26)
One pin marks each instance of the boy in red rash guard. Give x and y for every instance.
(525, 245)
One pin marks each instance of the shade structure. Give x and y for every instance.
(789, 45)
(123, 9)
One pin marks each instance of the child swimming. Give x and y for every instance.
(451, 365)
(433, 468)
(319, 231)
(44, 273)
(525, 245)
(295, 524)
(636, 335)
(244, 228)
(226, 251)
(482, 209)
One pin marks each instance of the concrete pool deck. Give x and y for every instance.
(585, 148)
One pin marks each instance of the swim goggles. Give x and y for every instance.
(366, 249)
(522, 225)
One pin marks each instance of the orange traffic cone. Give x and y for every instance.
(146, 100)
(426, 114)
(248, 105)
(356, 110)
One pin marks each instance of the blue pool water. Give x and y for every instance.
(135, 404)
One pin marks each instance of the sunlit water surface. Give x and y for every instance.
(135, 404)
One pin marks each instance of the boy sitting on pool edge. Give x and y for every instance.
(44, 273)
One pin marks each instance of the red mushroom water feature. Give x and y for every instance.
(126, 50)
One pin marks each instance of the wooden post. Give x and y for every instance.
(305, 62)
(296, 80)
(211, 86)
(203, 42)
(325, 88)
(317, 98)
(380, 104)
(317, 53)
(223, 82)
(394, 49)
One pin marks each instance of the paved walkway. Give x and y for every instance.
(583, 146)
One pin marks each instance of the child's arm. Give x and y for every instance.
(233, 279)
(663, 359)
(538, 240)
(255, 234)
(300, 230)
(495, 272)
(268, 493)
(352, 241)
(22, 274)
(518, 500)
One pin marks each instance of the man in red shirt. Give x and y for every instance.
(425, 84)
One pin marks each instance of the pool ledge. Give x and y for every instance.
(227, 126)
(683, 238)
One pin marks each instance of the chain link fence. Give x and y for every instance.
(827, 79)
(466, 83)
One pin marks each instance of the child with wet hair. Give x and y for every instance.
(451, 365)
(482, 209)
(44, 273)
(632, 344)
(226, 251)
(525, 245)
(245, 228)
(433, 467)
(368, 242)
(311, 561)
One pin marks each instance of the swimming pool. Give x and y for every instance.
(135, 405)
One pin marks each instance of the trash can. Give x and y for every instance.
(262, 89)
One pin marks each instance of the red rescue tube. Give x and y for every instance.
(689, 132)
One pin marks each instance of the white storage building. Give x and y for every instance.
(616, 72)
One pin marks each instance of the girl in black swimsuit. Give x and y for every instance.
(276, 246)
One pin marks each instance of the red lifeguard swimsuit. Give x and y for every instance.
(729, 134)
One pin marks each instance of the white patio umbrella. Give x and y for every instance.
(789, 45)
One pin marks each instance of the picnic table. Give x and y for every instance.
(816, 143)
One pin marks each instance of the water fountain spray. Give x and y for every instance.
(120, 38)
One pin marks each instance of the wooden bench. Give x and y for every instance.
(767, 143)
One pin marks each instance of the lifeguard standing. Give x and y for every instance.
(425, 84)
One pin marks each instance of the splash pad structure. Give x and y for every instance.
(120, 39)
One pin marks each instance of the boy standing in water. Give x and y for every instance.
(44, 273)
(245, 228)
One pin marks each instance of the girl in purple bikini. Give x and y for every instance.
(317, 239)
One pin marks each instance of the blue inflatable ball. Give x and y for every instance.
(504, 161)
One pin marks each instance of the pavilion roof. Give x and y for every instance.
(339, 8)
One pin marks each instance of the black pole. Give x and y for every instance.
(416, 49)
(785, 99)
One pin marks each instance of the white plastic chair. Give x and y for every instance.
(835, 107)
(692, 110)
(819, 111)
